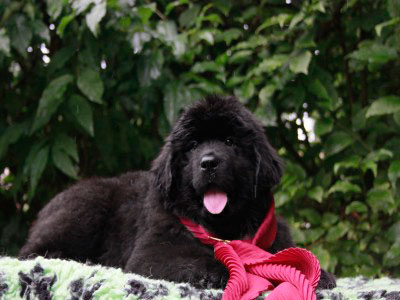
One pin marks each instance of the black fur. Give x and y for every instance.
(131, 221)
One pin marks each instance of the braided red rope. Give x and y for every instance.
(291, 274)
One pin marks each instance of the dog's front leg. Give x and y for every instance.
(177, 258)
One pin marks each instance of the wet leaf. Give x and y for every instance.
(384, 105)
(337, 142)
(21, 34)
(54, 8)
(82, 112)
(51, 98)
(36, 166)
(91, 85)
(4, 42)
(300, 62)
(95, 16)
(63, 162)
(344, 187)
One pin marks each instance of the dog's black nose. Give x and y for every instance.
(209, 163)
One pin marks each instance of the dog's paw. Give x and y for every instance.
(326, 281)
(214, 276)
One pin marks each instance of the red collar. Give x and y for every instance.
(293, 273)
(263, 238)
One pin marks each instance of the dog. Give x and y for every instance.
(216, 168)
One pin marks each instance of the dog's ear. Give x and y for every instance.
(269, 165)
(161, 168)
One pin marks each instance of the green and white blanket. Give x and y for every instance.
(45, 279)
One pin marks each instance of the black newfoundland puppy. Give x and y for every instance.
(216, 168)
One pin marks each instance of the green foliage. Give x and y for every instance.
(92, 87)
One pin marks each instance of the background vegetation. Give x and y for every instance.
(91, 87)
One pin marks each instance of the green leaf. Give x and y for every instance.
(229, 35)
(63, 24)
(94, 17)
(271, 64)
(247, 90)
(281, 19)
(347, 163)
(173, 4)
(91, 85)
(329, 219)
(51, 98)
(393, 172)
(60, 58)
(176, 97)
(374, 53)
(369, 165)
(312, 235)
(380, 199)
(379, 155)
(296, 19)
(54, 8)
(337, 142)
(11, 135)
(379, 27)
(343, 186)
(323, 126)
(214, 19)
(323, 256)
(396, 118)
(311, 215)
(393, 8)
(298, 235)
(300, 62)
(206, 36)
(36, 166)
(356, 206)
(82, 112)
(21, 34)
(63, 162)
(66, 144)
(224, 6)
(316, 193)
(145, 12)
(337, 232)
(379, 246)
(81, 5)
(392, 257)
(319, 5)
(138, 41)
(42, 30)
(393, 234)
(384, 105)
(150, 68)
(167, 32)
(266, 93)
(4, 42)
(359, 119)
(318, 89)
(240, 56)
(207, 66)
(188, 17)
(305, 41)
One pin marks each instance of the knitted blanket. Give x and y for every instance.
(45, 279)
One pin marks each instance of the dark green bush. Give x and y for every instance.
(92, 87)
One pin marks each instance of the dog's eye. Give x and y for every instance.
(193, 145)
(229, 141)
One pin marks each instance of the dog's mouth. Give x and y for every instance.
(215, 201)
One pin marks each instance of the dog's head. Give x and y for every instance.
(217, 167)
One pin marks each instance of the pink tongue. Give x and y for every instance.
(215, 201)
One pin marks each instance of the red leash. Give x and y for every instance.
(291, 274)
